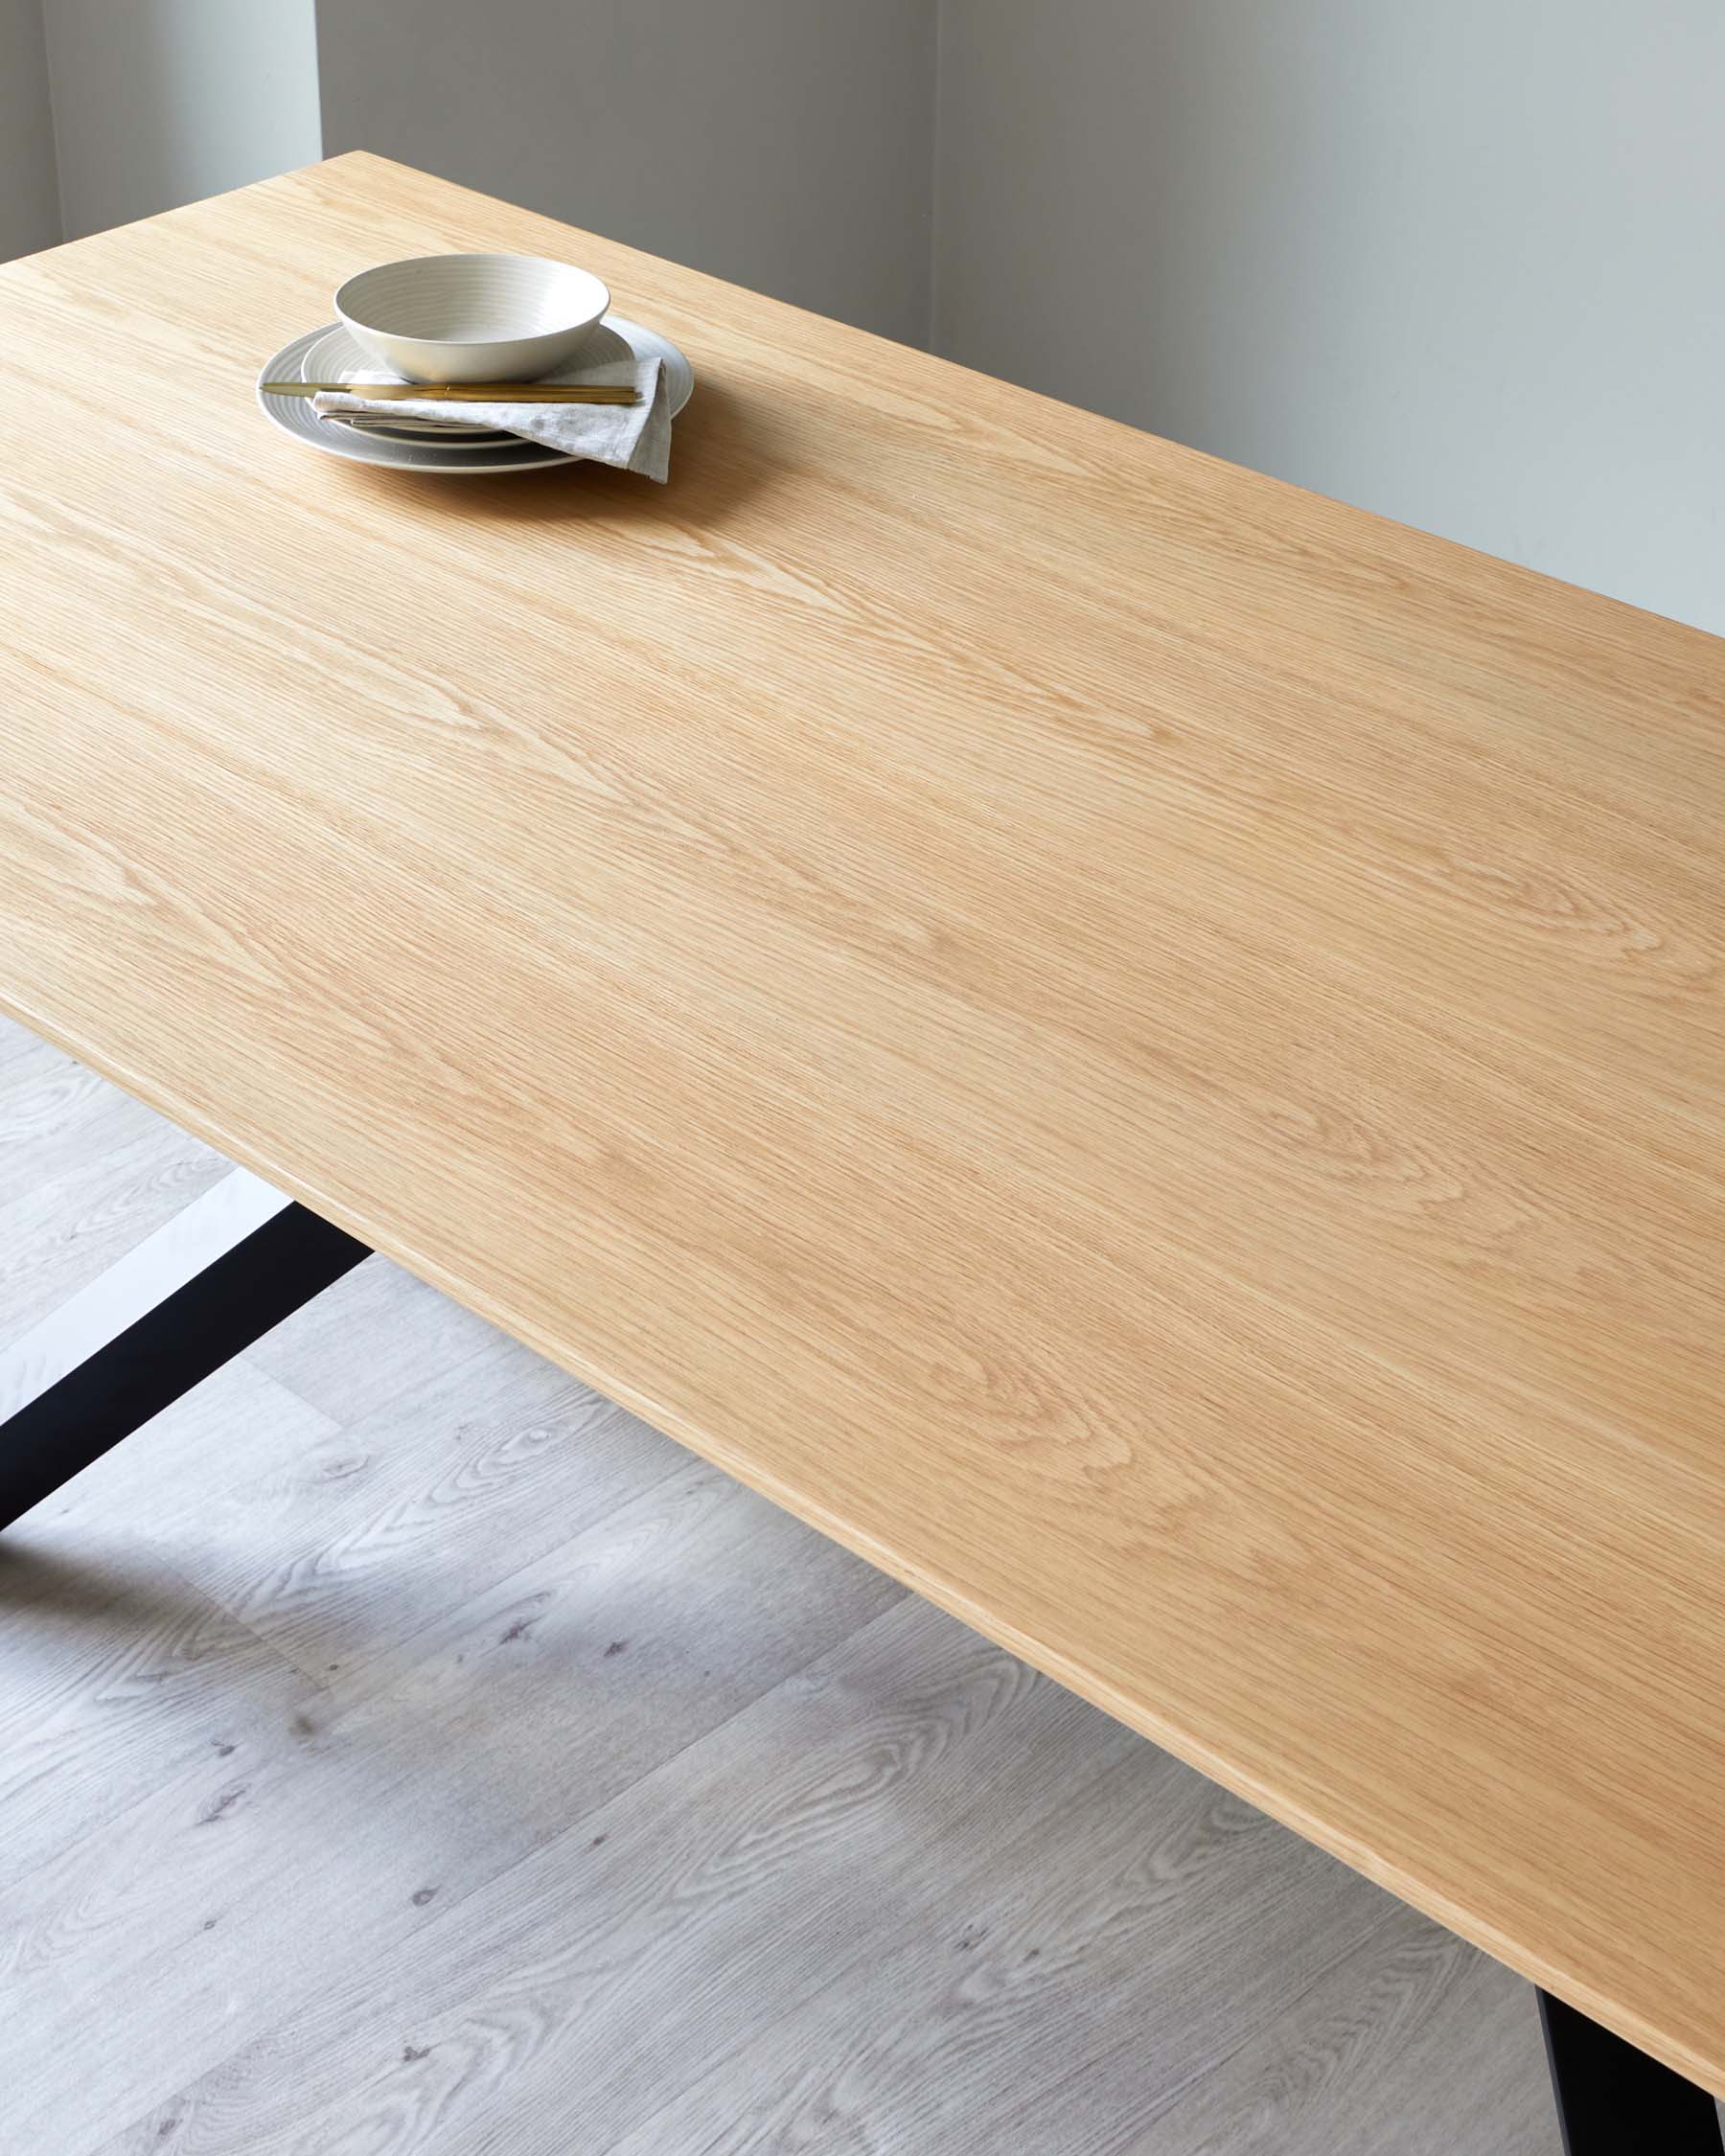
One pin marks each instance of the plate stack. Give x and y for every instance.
(455, 318)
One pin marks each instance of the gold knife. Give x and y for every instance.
(470, 392)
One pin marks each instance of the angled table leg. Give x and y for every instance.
(235, 1300)
(1614, 2101)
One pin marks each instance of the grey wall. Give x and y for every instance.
(1462, 262)
(29, 192)
(783, 143)
(162, 102)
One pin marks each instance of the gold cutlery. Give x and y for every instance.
(468, 392)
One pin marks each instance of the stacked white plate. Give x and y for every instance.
(459, 452)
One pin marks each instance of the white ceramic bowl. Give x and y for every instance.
(471, 317)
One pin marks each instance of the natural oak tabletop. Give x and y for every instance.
(1144, 1049)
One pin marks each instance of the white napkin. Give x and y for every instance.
(632, 437)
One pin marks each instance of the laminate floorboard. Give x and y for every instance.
(57, 1235)
(340, 1553)
(57, 1117)
(1413, 2044)
(350, 1830)
(374, 1336)
(1142, 1899)
(402, 1749)
(116, 1674)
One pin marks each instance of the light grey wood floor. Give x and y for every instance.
(402, 1749)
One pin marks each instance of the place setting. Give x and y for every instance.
(473, 365)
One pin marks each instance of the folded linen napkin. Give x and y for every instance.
(632, 437)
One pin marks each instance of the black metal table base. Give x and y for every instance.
(1614, 2101)
(190, 1334)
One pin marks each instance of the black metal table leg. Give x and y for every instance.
(1614, 2101)
(234, 1301)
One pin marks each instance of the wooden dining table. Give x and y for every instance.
(1142, 1048)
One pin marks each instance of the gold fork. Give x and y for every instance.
(468, 392)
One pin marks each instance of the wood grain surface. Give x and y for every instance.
(1142, 1048)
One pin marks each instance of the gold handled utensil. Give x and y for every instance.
(470, 392)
